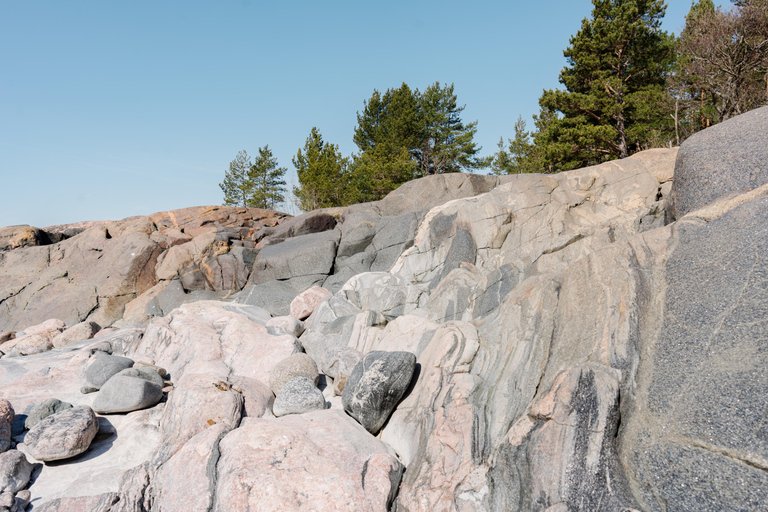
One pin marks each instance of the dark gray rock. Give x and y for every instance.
(698, 438)
(308, 223)
(122, 393)
(307, 255)
(103, 368)
(297, 396)
(7, 415)
(43, 410)
(62, 435)
(273, 296)
(727, 159)
(463, 250)
(174, 296)
(15, 471)
(493, 289)
(376, 385)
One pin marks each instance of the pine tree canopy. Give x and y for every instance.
(614, 86)
(268, 185)
(237, 185)
(322, 173)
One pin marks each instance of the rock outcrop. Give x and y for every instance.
(534, 342)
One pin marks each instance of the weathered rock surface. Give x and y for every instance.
(43, 410)
(297, 396)
(35, 339)
(725, 160)
(306, 302)
(375, 386)
(62, 435)
(297, 365)
(15, 471)
(79, 332)
(316, 461)
(125, 393)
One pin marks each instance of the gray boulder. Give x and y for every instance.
(273, 296)
(297, 365)
(376, 385)
(15, 471)
(727, 159)
(304, 256)
(43, 410)
(6, 421)
(297, 396)
(103, 368)
(63, 435)
(123, 393)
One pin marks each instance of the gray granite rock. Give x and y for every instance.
(376, 385)
(43, 410)
(273, 296)
(123, 393)
(103, 368)
(7, 414)
(697, 436)
(297, 365)
(727, 159)
(339, 359)
(307, 255)
(297, 396)
(15, 471)
(62, 435)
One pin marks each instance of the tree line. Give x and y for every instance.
(627, 86)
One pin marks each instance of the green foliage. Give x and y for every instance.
(254, 185)
(267, 180)
(614, 87)
(237, 185)
(322, 173)
(405, 134)
(519, 157)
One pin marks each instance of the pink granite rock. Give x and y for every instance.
(62, 435)
(305, 303)
(315, 461)
(78, 332)
(35, 339)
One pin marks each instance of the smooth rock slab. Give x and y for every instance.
(297, 365)
(297, 396)
(305, 303)
(105, 367)
(63, 435)
(15, 471)
(122, 393)
(45, 409)
(316, 461)
(376, 385)
(6, 420)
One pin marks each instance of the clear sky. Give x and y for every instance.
(113, 109)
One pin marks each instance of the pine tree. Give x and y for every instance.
(447, 144)
(267, 180)
(237, 185)
(519, 156)
(322, 173)
(614, 86)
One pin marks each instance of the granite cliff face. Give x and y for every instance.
(592, 340)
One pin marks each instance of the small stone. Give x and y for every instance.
(305, 303)
(297, 365)
(376, 385)
(122, 393)
(7, 336)
(15, 471)
(6, 421)
(339, 359)
(160, 371)
(43, 410)
(88, 389)
(22, 499)
(63, 435)
(297, 396)
(105, 367)
(286, 324)
(7, 501)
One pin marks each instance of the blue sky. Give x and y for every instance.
(114, 109)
